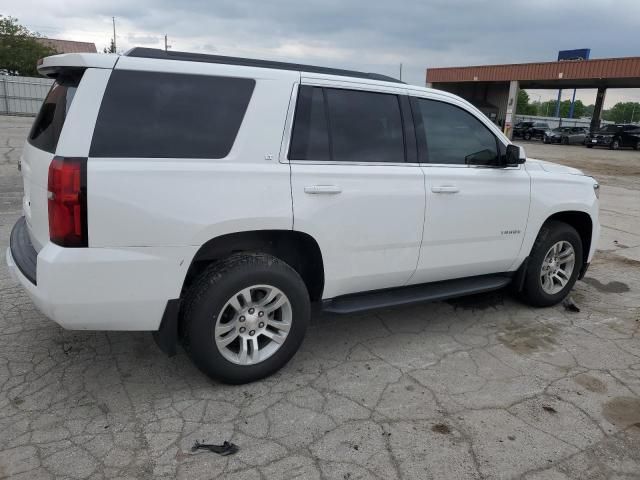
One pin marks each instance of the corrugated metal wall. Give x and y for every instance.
(22, 95)
(604, 68)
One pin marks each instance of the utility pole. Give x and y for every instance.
(166, 45)
(400, 72)
(114, 33)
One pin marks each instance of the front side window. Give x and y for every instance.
(454, 136)
(347, 126)
(170, 115)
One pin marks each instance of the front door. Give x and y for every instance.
(476, 212)
(353, 190)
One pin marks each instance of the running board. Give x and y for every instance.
(427, 292)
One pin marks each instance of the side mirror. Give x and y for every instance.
(515, 155)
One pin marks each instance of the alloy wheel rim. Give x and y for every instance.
(557, 267)
(253, 324)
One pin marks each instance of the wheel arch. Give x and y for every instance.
(583, 224)
(299, 250)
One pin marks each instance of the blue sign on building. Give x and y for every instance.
(578, 54)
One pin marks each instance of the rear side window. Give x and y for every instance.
(170, 115)
(347, 126)
(47, 126)
(310, 138)
(365, 126)
(454, 136)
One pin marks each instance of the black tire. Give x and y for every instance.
(565, 141)
(210, 293)
(545, 139)
(527, 136)
(589, 145)
(615, 144)
(637, 145)
(550, 233)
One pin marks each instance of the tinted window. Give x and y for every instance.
(47, 127)
(365, 126)
(170, 115)
(454, 136)
(310, 138)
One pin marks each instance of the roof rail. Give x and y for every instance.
(141, 52)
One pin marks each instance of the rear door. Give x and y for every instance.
(356, 186)
(476, 212)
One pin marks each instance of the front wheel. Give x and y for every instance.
(637, 145)
(615, 144)
(554, 265)
(527, 136)
(245, 317)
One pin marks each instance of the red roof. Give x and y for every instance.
(601, 68)
(69, 46)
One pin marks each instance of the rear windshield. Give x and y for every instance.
(170, 115)
(46, 129)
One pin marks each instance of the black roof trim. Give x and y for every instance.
(141, 52)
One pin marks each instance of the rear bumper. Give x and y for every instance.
(104, 288)
(22, 251)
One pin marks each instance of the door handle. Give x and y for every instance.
(322, 189)
(445, 189)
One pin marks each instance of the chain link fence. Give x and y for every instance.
(22, 95)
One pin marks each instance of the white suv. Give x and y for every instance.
(213, 200)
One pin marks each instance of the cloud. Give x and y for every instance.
(371, 35)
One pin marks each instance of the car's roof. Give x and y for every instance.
(140, 52)
(52, 65)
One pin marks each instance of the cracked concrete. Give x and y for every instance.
(481, 387)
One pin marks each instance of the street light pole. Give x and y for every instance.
(114, 33)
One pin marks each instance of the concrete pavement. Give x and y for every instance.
(480, 387)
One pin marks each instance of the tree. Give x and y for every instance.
(588, 110)
(523, 107)
(623, 112)
(549, 108)
(20, 49)
(111, 48)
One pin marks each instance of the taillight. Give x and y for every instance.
(67, 198)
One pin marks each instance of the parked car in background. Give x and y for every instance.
(566, 135)
(554, 135)
(615, 137)
(529, 130)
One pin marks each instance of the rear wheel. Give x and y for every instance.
(589, 145)
(554, 265)
(615, 144)
(637, 145)
(527, 136)
(245, 317)
(565, 141)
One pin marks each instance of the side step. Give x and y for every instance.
(427, 292)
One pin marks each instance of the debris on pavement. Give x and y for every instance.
(227, 448)
(570, 305)
(549, 409)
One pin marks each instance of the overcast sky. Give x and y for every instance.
(370, 35)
